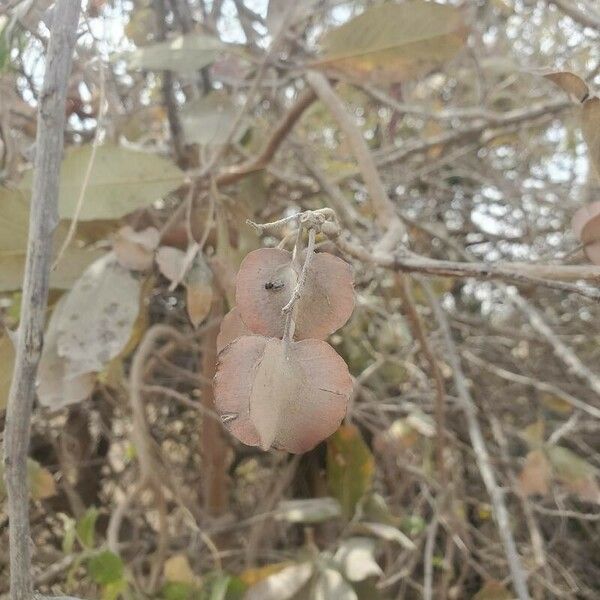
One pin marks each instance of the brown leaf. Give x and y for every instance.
(536, 474)
(199, 290)
(590, 127)
(232, 327)
(570, 83)
(586, 226)
(287, 395)
(265, 283)
(135, 249)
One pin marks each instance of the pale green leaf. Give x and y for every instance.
(393, 42)
(14, 224)
(184, 53)
(121, 181)
(208, 120)
(105, 568)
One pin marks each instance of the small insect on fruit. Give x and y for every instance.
(274, 285)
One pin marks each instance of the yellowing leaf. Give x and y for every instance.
(14, 224)
(184, 53)
(40, 480)
(251, 577)
(177, 569)
(282, 585)
(533, 434)
(121, 180)
(7, 363)
(493, 590)
(266, 281)
(273, 393)
(393, 42)
(350, 467)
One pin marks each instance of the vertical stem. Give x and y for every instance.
(290, 308)
(42, 222)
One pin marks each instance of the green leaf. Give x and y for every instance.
(14, 225)
(393, 42)
(181, 591)
(120, 181)
(313, 510)
(105, 567)
(208, 120)
(69, 537)
(86, 527)
(185, 53)
(350, 467)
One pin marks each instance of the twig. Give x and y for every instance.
(88, 172)
(428, 560)
(436, 374)
(585, 18)
(42, 222)
(562, 351)
(481, 453)
(235, 173)
(384, 207)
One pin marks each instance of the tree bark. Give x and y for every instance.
(42, 222)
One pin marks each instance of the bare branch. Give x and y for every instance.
(42, 222)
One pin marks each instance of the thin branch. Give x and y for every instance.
(42, 222)
(236, 172)
(384, 207)
(585, 18)
(481, 453)
(562, 351)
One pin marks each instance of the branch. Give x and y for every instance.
(42, 222)
(385, 209)
(237, 172)
(562, 351)
(481, 453)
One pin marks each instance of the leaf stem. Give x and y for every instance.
(288, 309)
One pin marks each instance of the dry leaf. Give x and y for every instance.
(57, 385)
(578, 476)
(232, 327)
(135, 249)
(570, 83)
(590, 127)
(287, 395)
(586, 226)
(98, 316)
(177, 569)
(265, 283)
(170, 262)
(536, 474)
(199, 290)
